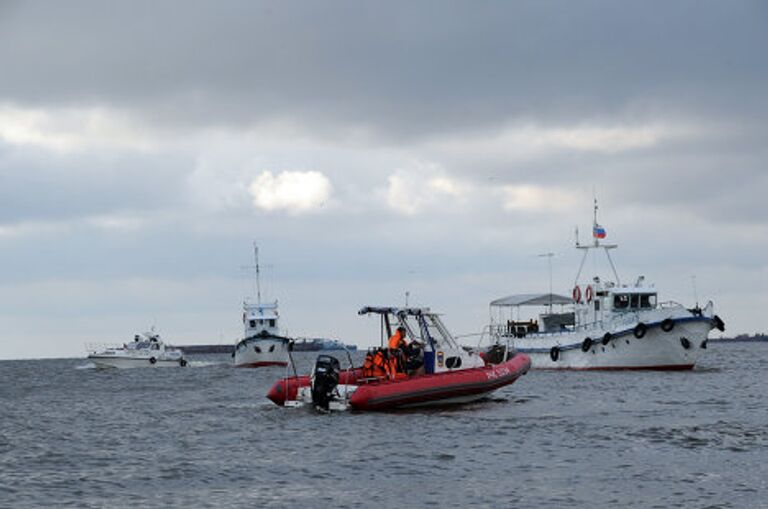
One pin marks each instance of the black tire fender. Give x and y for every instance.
(667, 324)
(586, 345)
(685, 342)
(554, 353)
(607, 338)
(640, 330)
(152, 360)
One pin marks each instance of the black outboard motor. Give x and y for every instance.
(325, 380)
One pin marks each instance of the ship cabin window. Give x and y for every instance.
(623, 301)
(597, 305)
(648, 300)
(252, 323)
(272, 322)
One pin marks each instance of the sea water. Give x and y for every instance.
(206, 436)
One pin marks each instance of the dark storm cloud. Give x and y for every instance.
(401, 69)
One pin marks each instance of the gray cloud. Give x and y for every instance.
(404, 70)
(133, 132)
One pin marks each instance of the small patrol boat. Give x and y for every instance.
(262, 345)
(604, 324)
(431, 369)
(146, 350)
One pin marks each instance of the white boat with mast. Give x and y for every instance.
(604, 324)
(262, 345)
(145, 351)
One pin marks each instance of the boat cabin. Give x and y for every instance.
(589, 303)
(260, 318)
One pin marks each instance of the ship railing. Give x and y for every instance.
(504, 331)
(485, 336)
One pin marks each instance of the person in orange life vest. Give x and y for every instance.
(379, 361)
(397, 347)
(397, 341)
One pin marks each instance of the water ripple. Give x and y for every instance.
(207, 437)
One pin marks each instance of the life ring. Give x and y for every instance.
(667, 324)
(586, 345)
(685, 342)
(640, 330)
(607, 338)
(588, 294)
(152, 360)
(554, 353)
(577, 294)
(718, 323)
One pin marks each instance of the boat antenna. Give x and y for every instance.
(258, 273)
(549, 256)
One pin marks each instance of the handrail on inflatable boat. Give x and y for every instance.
(393, 310)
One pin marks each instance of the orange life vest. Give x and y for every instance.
(368, 365)
(396, 341)
(379, 364)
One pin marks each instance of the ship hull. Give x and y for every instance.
(676, 349)
(134, 362)
(264, 351)
(446, 388)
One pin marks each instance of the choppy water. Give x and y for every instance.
(207, 437)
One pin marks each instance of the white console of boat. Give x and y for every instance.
(604, 324)
(146, 350)
(262, 344)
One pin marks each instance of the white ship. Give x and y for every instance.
(146, 350)
(262, 345)
(604, 324)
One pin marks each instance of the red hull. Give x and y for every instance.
(420, 390)
(287, 388)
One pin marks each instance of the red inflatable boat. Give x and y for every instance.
(445, 374)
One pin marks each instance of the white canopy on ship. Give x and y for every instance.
(532, 299)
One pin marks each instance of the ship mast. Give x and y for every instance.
(595, 245)
(258, 278)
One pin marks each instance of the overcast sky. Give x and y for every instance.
(371, 149)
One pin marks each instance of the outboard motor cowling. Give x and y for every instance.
(324, 380)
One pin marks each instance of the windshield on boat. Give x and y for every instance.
(632, 301)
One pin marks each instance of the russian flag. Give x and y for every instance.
(598, 232)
